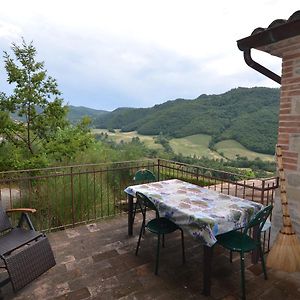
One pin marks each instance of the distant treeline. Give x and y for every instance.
(247, 115)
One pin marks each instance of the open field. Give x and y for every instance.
(194, 145)
(191, 145)
(127, 137)
(230, 148)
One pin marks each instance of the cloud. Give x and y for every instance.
(106, 54)
(9, 31)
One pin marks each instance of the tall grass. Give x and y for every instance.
(67, 196)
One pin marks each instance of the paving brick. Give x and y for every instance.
(101, 264)
(256, 269)
(76, 295)
(105, 255)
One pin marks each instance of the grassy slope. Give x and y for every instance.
(231, 148)
(191, 145)
(127, 137)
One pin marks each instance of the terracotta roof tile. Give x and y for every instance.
(278, 22)
(295, 16)
(278, 29)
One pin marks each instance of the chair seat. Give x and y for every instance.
(16, 238)
(161, 226)
(237, 241)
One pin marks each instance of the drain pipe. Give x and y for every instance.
(261, 69)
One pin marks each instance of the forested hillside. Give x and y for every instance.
(247, 115)
(75, 113)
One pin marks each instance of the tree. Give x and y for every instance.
(35, 101)
(69, 141)
(34, 131)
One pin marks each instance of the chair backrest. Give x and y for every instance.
(144, 203)
(143, 176)
(260, 219)
(4, 220)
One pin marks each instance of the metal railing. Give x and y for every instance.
(71, 195)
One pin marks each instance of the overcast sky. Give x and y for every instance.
(137, 53)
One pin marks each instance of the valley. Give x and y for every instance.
(193, 145)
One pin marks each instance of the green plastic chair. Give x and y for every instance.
(140, 177)
(159, 226)
(241, 242)
(143, 176)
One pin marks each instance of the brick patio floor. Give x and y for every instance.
(97, 261)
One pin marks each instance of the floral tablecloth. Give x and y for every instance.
(201, 212)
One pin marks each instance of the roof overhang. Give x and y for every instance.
(277, 31)
(261, 38)
(270, 35)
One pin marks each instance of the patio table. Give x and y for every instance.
(201, 212)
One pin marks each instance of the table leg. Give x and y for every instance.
(130, 214)
(207, 258)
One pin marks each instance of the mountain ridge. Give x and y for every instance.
(247, 115)
(75, 113)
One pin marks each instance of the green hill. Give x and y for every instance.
(76, 113)
(247, 115)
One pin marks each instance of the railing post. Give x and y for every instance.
(262, 196)
(158, 169)
(72, 196)
(94, 198)
(256, 236)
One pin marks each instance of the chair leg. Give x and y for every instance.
(263, 262)
(144, 231)
(163, 241)
(139, 240)
(182, 245)
(134, 212)
(230, 256)
(157, 254)
(243, 276)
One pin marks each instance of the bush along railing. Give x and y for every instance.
(71, 195)
(66, 196)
